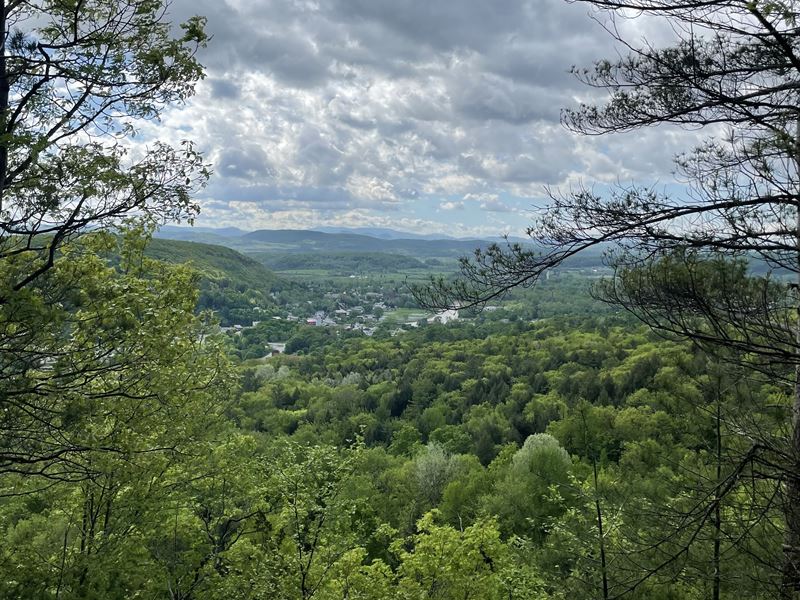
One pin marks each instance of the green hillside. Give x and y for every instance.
(236, 287)
(343, 262)
(214, 262)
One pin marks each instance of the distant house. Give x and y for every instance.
(276, 347)
(368, 331)
(444, 317)
(319, 319)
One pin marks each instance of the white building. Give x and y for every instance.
(444, 317)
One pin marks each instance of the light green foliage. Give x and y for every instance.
(447, 564)
(535, 487)
(312, 518)
(461, 500)
(113, 393)
(352, 578)
(98, 360)
(432, 469)
(203, 533)
(81, 76)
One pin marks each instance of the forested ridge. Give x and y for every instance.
(176, 421)
(449, 461)
(236, 287)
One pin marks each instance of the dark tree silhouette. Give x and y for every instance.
(719, 264)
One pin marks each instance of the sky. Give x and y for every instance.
(429, 116)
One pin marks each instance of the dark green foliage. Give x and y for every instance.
(237, 288)
(216, 263)
(545, 449)
(348, 463)
(344, 263)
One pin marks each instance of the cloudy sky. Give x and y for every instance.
(420, 115)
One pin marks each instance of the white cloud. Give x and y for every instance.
(313, 110)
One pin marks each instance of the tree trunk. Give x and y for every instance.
(4, 94)
(715, 594)
(598, 508)
(791, 549)
(790, 584)
(600, 535)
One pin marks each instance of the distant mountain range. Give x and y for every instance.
(208, 235)
(382, 233)
(364, 240)
(291, 240)
(385, 234)
(310, 241)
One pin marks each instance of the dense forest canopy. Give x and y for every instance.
(180, 422)
(680, 264)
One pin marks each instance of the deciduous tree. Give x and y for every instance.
(720, 263)
(75, 78)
